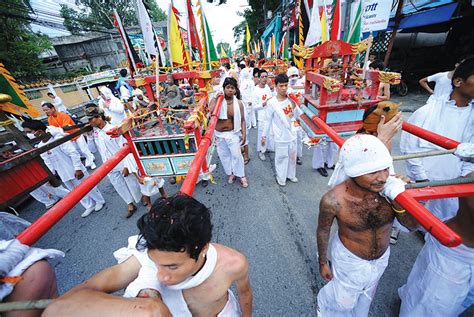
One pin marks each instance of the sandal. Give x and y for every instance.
(244, 182)
(231, 179)
(130, 212)
(246, 161)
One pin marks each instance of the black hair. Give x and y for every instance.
(281, 79)
(34, 125)
(261, 72)
(256, 71)
(377, 64)
(227, 65)
(50, 93)
(464, 70)
(49, 105)
(123, 72)
(252, 64)
(292, 63)
(176, 224)
(232, 81)
(241, 66)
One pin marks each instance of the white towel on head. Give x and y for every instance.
(237, 114)
(361, 154)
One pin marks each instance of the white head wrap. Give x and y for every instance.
(292, 71)
(106, 92)
(361, 154)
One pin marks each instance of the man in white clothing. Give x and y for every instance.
(452, 116)
(261, 94)
(65, 161)
(58, 103)
(442, 82)
(281, 117)
(360, 249)
(230, 132)
(170, 269)
(441, 282)
(111, 105)
(294, 86)
(121, 177)
(49, 195)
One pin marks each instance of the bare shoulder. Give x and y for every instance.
(233, 262)
(330, 201)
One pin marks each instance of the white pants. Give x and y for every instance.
(260, 147)
(285, 160)
(49, 195)
(324, 152)
(228, 149)
(353, 285)
(93, 198)
(253, 116)
(82, 148)
(300, 134)
(127, 187)
(91, 143)
(441, 282)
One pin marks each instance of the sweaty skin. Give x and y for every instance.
(363, 216)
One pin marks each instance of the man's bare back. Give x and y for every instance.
(209, 298)
(364, 222)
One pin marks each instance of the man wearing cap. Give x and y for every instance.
(361, 200)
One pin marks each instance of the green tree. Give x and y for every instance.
(255, 17)
(20, 46)
(156, 14)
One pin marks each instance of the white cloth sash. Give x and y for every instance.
(237, 114)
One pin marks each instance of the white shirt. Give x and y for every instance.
(62, 159)
(442, 84)
(108, 146)
(59, 104)
(441, 116)
(124, 93)
(115, 110)
(281, 117)
(260, 97)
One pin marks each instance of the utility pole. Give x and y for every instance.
(394, 32)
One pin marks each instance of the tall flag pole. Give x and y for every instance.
(211, 49)
(247, 38)
(195, 43)
(204, 53)
(353, 36)
(314, 33)
(336, 20)
(131, 54)
(324, 24)
(284, 47)
(177, 50)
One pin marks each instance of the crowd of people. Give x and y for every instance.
(172, 267)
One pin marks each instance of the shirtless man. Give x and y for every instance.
(360, 249)
(231, 132)
(441, 282)
(176, 262)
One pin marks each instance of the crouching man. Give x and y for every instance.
(173, 264)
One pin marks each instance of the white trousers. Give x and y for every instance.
(82, 148)
(127, 187)
(300, 134)
(260, 147)
(49, 195)
(324, 152)
(441, 282)
(285, 160)
(93, 198)
(228, 149)
(354, 282)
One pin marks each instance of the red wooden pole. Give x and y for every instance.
(190, 181)
(329, 131)
(133, 149)
(432, 137)
(38, 228)
(431, 223)
(439, 192)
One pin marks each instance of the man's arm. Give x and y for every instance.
(383, 92)
(328, 208)
(387, 130)
(424, 83)
(244, 289)
(91, 298)
(242, 122)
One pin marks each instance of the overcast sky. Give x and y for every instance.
(221, 18)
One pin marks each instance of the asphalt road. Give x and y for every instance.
(273, 226)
